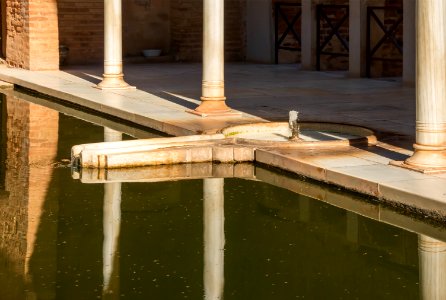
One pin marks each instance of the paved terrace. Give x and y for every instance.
(263, 93)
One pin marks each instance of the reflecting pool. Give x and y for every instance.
(264, 236)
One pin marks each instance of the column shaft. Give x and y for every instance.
(430, 147)
(113, 74)
(213, 90)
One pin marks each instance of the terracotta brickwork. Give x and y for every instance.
(81, 27)
(146, 25)
(32, 34)
(187, 29)
(17, 31)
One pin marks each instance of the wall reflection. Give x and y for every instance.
(31, 140)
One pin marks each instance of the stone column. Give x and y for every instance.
(112, 226)
(113, 75)
(308, 34)
(432, 257)
(214, 238)
(409, 42)
(213, 89)
(357, 35)
(430, 147)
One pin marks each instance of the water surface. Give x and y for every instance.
(63, 239)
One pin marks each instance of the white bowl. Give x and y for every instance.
(151, 52)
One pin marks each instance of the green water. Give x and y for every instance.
(278, 244)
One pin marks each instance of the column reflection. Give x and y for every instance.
(112, 225)
(214, 238)
(432, 261)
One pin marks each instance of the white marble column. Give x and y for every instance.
(432, 261)
(213, 100)
(112, 226)
(357, 36)
(113, 71)
(308, 34)
(430, 147)
(409, 34)
(214, 238)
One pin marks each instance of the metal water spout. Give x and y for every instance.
(294, 126)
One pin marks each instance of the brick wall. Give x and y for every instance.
(145, 25)
(32, 34)
(43, 35)
(81, 29)
(187, 29)
(17, 31)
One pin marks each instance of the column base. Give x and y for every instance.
(114, 82)
(214, 108)
(426, 159)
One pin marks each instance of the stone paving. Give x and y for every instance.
(267, 92)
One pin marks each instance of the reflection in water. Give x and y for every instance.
(112, 226)
(31, 148)
(60, 239)
(214, 238)
(432, 268)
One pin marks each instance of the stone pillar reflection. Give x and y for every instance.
(112, 226)
(113, 70)
(214, 238)
(213, 89)
(430, 147)
(432, 257)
